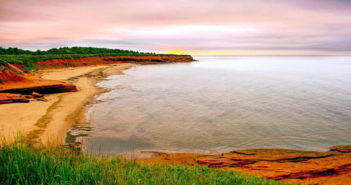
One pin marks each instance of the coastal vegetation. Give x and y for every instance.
(29, 58)
(70, 50)
(25, 164)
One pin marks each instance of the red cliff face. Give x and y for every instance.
(6, 76)
(11, 73)
(86, 61)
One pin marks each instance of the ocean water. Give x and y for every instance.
(224, 103)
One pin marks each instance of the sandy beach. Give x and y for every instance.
(48, 122)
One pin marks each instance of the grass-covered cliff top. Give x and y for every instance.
(28, 58)
(24, 164)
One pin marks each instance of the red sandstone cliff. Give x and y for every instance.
(86, 61)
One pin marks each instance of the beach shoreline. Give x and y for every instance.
(48, 122)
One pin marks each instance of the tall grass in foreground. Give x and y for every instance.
(24, 164)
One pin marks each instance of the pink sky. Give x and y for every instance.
(232, 26)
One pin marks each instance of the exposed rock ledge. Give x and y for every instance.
(306, 167)
(31, 88)
(17, 86)
(12, 98)
(39, 85)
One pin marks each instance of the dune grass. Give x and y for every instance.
(25, 164)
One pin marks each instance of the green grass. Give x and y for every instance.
(24, 164)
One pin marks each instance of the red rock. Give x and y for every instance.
(19, 87)
(305, 167)
(36, 95)
(341, 148)
(12, 98)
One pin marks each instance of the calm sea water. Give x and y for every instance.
(223, 103)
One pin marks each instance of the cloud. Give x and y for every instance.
(329, 5)
(164, 25)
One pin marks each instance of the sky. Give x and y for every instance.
(250, 27)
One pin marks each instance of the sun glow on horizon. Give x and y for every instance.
(179, 52)
(258, 52)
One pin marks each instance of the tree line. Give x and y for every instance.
(69, 50)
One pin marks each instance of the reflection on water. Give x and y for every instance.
(222, 103)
